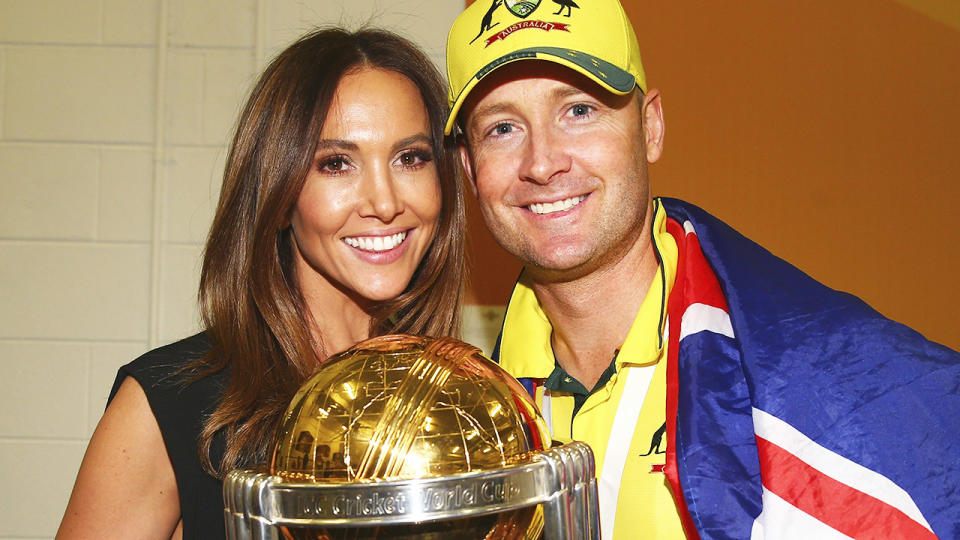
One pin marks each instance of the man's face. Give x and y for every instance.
(559, 166)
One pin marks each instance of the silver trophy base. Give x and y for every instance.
(562, 479)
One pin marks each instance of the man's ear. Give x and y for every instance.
(653, 126)
(467, 161)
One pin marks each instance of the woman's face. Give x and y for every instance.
(368, 209)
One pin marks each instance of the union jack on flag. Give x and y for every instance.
(797, 411)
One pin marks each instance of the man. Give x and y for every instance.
(725, 393)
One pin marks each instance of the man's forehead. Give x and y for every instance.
(558, 79)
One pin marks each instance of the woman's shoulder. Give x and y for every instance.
(170, 368)
(175, 355)
(179, 397)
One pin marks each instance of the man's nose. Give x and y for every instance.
(545, 155)
(379, 196)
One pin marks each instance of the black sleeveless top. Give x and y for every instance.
(180, 408)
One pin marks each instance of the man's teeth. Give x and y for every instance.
(559, 206)
(375, 243)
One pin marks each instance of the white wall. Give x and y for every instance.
(114, 115)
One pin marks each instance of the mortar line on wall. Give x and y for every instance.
(41, 340)
(52, 45)
(3, 86)
(88, 390)
(49, 46)
(103, 25)
(92, 143)
(90, 242)
(98, 208)
(260, 36)
(97, 144)
(33, 439)
(72, 242)
(98, 189)
(153, 317)
(212, 48)
(204, 74)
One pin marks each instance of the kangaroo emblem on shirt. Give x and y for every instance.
(656, 441)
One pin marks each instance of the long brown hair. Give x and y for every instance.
(255, 317)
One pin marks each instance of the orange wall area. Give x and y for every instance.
(829, 132)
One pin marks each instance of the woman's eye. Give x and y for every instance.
(333, 164)
(414, 159)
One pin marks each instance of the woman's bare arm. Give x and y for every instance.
(125, 487)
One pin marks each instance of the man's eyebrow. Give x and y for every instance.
(567, 91)
(499, 107)
(492, 108)
(482, 112)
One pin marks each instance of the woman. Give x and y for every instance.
(340, 218)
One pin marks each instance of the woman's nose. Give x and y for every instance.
(379, 195)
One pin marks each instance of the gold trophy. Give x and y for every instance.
(410, 437)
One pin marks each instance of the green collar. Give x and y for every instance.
(560, 381)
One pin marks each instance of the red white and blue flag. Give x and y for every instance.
(798, 411)
(795, 411)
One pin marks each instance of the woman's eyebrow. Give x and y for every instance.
(418, 138)
(325, 144)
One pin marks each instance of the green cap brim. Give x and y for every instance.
(607, 75)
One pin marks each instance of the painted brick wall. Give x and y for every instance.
(114, 116)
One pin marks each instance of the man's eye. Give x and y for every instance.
(502, 129)
(580, 110)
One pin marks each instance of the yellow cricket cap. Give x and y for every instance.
(596, 40)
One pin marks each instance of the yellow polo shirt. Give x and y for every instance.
(644, 503)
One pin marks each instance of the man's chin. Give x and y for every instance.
(558, 265)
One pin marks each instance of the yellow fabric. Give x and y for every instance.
(645, 506)
(597, 41)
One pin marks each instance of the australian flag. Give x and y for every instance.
(797, 411)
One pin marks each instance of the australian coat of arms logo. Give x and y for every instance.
(521, 8)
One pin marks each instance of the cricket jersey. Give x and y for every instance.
(623, 417)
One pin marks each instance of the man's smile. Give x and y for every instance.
(557, 206)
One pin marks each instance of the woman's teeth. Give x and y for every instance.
(375, 243)
(559, 206)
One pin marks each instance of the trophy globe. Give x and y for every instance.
(408, 437)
